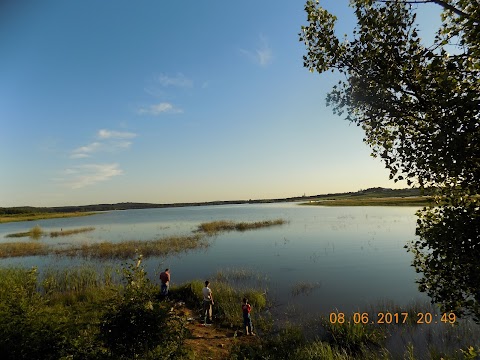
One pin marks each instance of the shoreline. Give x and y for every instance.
(368, 197)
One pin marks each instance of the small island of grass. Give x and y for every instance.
(224, 225)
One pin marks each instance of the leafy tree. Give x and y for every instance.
(419, 105)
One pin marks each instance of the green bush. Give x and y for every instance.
(136, 325)
(28, 330)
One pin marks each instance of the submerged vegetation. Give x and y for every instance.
(224, 225)
(304, 288)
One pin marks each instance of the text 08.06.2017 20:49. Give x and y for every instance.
(392, 318)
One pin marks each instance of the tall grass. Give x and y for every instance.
(75, 279)
(354, 337)
(224, 225)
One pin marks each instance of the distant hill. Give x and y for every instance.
(367, 193)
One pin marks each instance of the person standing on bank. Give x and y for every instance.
(207, 302)
(247, 320)
(165, 279)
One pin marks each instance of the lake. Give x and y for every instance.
(352, 257)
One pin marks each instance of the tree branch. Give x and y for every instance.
(438, 2)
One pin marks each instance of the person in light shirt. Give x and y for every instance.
(207, 302)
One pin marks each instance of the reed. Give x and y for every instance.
(71, 231)
(75, 279)
(227, 225)
(16, 249)
(353, 337)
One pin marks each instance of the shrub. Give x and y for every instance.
(136, 325)
(28, 329)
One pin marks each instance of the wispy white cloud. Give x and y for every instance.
(157, 109)
(261, 55)
(111, 134)
(111, 141)
(85, 175)
(85, 151)
(79, 155)
(178, 80)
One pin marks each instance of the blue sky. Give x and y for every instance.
(155, 101)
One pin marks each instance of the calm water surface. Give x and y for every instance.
(353, 255)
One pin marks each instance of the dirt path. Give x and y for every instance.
(211, 341)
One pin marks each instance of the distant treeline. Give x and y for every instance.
(372, 192)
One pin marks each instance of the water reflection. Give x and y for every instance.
(355, 253)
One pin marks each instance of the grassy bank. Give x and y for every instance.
(4, 218)
(383, 201)
(86, 317)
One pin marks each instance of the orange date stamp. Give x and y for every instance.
(392, 318)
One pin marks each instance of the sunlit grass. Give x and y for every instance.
(40, 216)
(225, 225)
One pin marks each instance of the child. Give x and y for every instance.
(247, 321)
